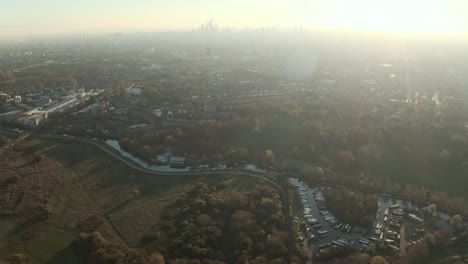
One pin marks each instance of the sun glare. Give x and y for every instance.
(425, 16)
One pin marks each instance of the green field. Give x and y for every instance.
(94, 185)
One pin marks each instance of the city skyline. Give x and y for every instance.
(26, 18)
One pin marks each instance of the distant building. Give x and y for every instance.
(162, 159)
(263, 99)
(32, 120)
(134, 91)
(58, 107)
(4, 97)
(209, 26)
(151, 66)
(137, 129)
(157, 113)
(177, 162)
(179, 123)
(241, 102)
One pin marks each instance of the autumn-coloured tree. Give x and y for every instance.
(418, 253)
(16, 258)
(269, 156)
(432, 209)
(378, 260)
(235, 227)
(456, 220)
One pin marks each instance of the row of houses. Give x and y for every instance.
(250, 101)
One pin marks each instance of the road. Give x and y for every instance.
(403, 240)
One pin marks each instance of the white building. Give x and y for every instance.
(175, 161)
(157, 112)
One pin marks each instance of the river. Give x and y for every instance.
(164, 168)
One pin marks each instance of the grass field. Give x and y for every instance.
(241, 183)
(93, 185)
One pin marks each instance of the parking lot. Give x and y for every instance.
(391, 221)
(385, 203)
(398, 223)
(316, 215)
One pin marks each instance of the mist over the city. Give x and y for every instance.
(209, 132)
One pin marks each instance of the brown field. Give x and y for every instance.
(85, 189)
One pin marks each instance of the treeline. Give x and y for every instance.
(37, 80)
(366, 183)
(418, 254)
(93, 248)
(140, 150)
(238, 237)
(208, 142)
(401, 158)
(360, 258)
(17, 258)
(215, 226)
(437, 247)
(4, 140)
(355, 208)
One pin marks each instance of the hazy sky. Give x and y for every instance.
(21, 18)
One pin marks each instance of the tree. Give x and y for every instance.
(269, 156)
(456, 220)
(45, 212)
(371, 249)
(234, 227)
(432, 209)
(378, 260)
(445, 155)
(3, 140)
(169, 140)
(96, 249)
(39, 158)
(319, 171)
(355, 208)
(156, 258)
(418, 253)
(430, 239)
(203, 220)
(16, 259)
(396, 188)
(347, 156)
(359, 258)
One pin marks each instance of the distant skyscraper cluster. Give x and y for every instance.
(209, 26)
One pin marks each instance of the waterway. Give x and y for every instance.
(164, 168)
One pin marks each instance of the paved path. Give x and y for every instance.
(402, 240)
